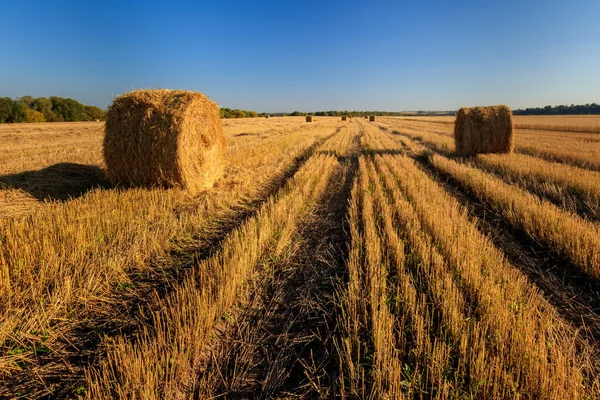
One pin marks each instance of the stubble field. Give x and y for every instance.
(335, 259)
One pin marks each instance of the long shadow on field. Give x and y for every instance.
(282, 340)
(130, 309)
(364, 152)
(570, 291)
(60, 182)
(573, 293)
(282, 344)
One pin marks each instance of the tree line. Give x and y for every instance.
(59, 109)
(47, 109)
(235, 113)
(333, 113)
(580, 109)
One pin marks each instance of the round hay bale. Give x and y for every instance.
(267, 116)
(166, 138)
(371, 118)
(484, 130)
(309, 118)
(343, 117)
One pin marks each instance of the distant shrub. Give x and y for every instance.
(235, 113)
(94, 113)
(34, 116)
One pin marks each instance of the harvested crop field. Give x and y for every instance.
(334, 259)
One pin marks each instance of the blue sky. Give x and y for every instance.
(312, 55)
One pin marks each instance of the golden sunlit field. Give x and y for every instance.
(334, 259)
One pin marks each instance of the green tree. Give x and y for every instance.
(238, 113)
(6, 105)
(33, 116)
(561, 110)
(68, 109)
(59, 107)
(76, 111)
(19, 112)
(93, 113)
(44, 105)
(27, 100)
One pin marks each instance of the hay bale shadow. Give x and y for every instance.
(59, 182)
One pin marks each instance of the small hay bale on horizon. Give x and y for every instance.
(371, 118)
(164, 138)
(309, 118)
(484, 130)
(267, 116)
(344, 117)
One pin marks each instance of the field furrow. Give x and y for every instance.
(137, 253)
(178, 336)
(566, 234)
(572, 188)
(351, 259)
(568, 289)
(508, 310)
(281, 337)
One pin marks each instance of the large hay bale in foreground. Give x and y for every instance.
(372, 118)
(309, 118)
(484, 130)
(164, 138)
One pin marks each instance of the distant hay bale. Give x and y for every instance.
(366, 117)
(484, 130)
(343, 117)
(309, 118)
(267, 116)
(164, 138)
(371, 118)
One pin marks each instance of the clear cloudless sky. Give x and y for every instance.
(278, 56)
